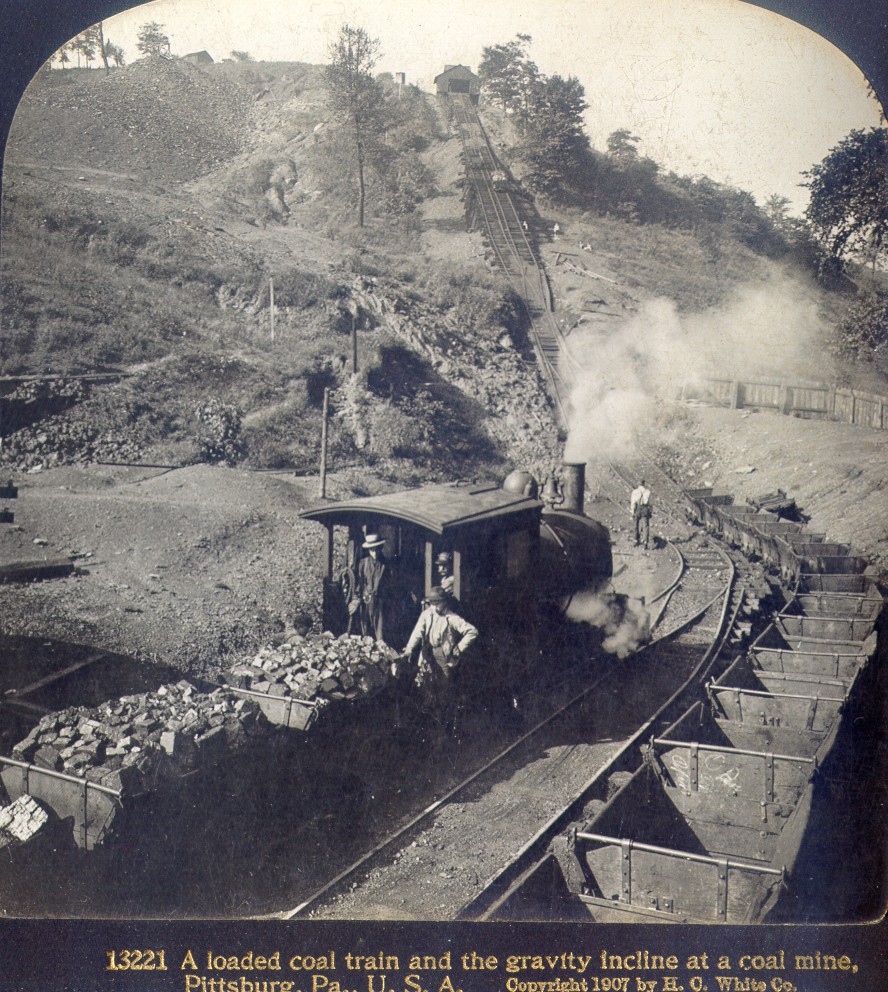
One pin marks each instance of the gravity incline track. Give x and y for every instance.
(505, 810)
(507, 234)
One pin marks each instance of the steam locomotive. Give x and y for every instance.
(516, 561)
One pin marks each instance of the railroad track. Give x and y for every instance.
(505, 809)
(507, 235)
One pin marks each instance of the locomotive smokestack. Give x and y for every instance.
(573, 485)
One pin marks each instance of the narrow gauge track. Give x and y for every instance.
(425, 870)
(515, 254)
(670, 501)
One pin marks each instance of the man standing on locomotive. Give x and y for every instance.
(640, 508)
(374, 591)
(442, 637)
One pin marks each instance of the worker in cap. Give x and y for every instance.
(444, 571)
(442, 637)
(640, 508)
(374, 589)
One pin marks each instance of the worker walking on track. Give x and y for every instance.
(442, 637)
(640, 508)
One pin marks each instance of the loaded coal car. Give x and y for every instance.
(514, 563)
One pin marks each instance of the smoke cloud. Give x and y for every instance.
(625, 622)
(622, 376)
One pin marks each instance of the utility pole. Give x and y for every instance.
(325, 418)
(271, 304)
(353, 310)
(354, 345)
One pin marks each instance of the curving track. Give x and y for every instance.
(505, 810)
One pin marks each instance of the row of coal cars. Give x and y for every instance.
(717, 822)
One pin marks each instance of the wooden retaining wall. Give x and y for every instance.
(851, 406)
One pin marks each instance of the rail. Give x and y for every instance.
(671, 852)
(498, 888)
(514, 252)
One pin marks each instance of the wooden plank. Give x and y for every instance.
(728, 772)
(784, 710)
(842, 629)
(24, 571)
(776, 740)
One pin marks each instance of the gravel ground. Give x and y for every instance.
(190, 567)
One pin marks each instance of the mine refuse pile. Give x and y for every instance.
(85, 763)
(710, 826)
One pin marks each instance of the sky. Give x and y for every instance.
(711, 87)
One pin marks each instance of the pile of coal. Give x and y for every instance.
(317, 667)
(133, 743)
(20, 821)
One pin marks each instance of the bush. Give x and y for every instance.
(219, 432)
(393, 433)
(487, 309)
(864, 331)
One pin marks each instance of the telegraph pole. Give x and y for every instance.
(325, 418)
(354, 344)
(271, 304)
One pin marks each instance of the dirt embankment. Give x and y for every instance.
(837, 473)
(187, 567)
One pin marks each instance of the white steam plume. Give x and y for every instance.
(622, 375)
(625, 622)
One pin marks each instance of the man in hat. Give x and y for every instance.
(444, 571)
(640, 508)
(442, 637)
(373, 591)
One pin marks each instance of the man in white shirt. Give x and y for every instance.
(640, 508)
(442, 637)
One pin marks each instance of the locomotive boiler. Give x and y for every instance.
(515, 561)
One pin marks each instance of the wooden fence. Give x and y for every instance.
(851, 406)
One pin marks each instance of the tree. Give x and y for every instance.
(357, 101)
(152, 40)
(84, 45)
(848, 209)
(777, 209)
(508, 74)
(240, 56)
(96, 38)
(621, 145)
(115, 53)
(556, 144)
(864, 330)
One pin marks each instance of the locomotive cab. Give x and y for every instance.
(491, 538)
(511, 562)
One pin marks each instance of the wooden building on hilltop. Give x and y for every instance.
(458, 79)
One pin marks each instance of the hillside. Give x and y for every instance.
(145, 213)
